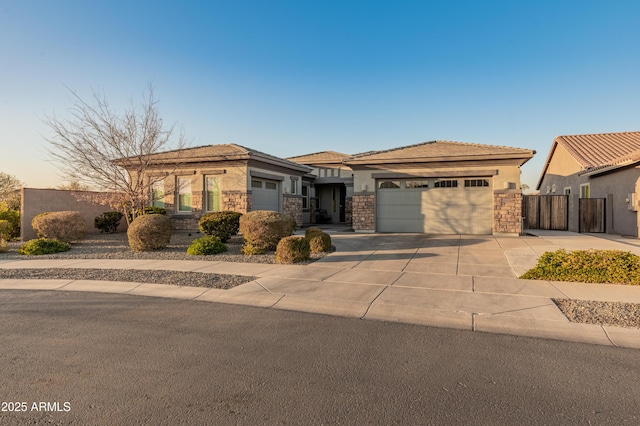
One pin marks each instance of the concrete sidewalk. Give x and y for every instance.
(464, 282)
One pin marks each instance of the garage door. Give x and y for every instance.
(435, 206)
(265, 194)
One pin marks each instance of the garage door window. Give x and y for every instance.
(270, 185)
(256, 183)
(389, 184)
(410, 184)
(446, 184)
(474, 183)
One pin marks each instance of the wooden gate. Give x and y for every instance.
(546, 212)
(592, 215)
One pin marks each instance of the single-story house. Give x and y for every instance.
(194, 181)
(605, 166)
(432, 187)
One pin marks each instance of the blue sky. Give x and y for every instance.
(293, 77)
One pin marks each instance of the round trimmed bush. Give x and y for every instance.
(263, 229)
(149, 232)
(13, 217)
(67, 226)
(309, 232)
(319, 242)
(292, 249)
(220, 224)
(43, 246)
(206, 245)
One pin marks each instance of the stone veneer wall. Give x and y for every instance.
(364, 212)
(292, 205)
(313, 205)
(348, 210)
(236, 201)
(507, 212)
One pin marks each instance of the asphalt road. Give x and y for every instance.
(86, 358)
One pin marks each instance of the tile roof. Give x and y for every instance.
(440, 150)
(319, 157)
(221, 152)
(602, 150)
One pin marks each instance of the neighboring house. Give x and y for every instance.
(604, 166)
(433, 187)
(225, 177)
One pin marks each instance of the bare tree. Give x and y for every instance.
(9, 184)
(108, 152)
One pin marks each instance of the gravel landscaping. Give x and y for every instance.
(116, 246)
(602, 313)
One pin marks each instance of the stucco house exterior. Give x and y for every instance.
(606, 166)
(432, 187)
(195, 181)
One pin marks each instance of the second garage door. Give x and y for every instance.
(265, 194)
(435, 206)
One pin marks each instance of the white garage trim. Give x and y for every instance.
(435, 206)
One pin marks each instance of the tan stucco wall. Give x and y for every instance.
(562, 172)
(36, 201)
(508, 177)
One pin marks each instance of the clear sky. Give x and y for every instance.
(294, 77)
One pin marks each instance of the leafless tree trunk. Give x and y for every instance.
(114, 153)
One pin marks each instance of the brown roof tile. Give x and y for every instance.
(602, 150)
(439, 150)
(319, 157)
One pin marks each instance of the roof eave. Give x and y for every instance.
(511, 156)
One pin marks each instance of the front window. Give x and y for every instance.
(294, 186)
(567, 191)
(305, 196)
(184, 194)
(585, 191)
(212, 194)
(157, 194)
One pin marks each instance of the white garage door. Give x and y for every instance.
(435, 206)
(265, 194)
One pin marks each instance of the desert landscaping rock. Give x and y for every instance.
(601, 313)
(192, 279)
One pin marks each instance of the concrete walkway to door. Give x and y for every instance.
(466, 282)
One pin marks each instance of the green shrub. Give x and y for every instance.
(319, 242)
(590, 266)
(13, 217)
(67, 226)
(5, 229)
(148, 210)
(149, 232)
(43, 246)
(309, 232)
(292, 249)
(263, 229)
(4, 247)
(206, 245)
(108, 222)
(220, 224)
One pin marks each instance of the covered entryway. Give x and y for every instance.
(265, 194)
(435, 206)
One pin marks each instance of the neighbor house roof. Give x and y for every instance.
(597, 153)
(440, 151)
(221, 152)
(323, 157)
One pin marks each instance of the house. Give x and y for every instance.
(432, 187)
(605, 166)
(438, 187)
(328, 190)
(195, 181)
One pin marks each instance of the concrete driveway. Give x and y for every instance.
(465, 282)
